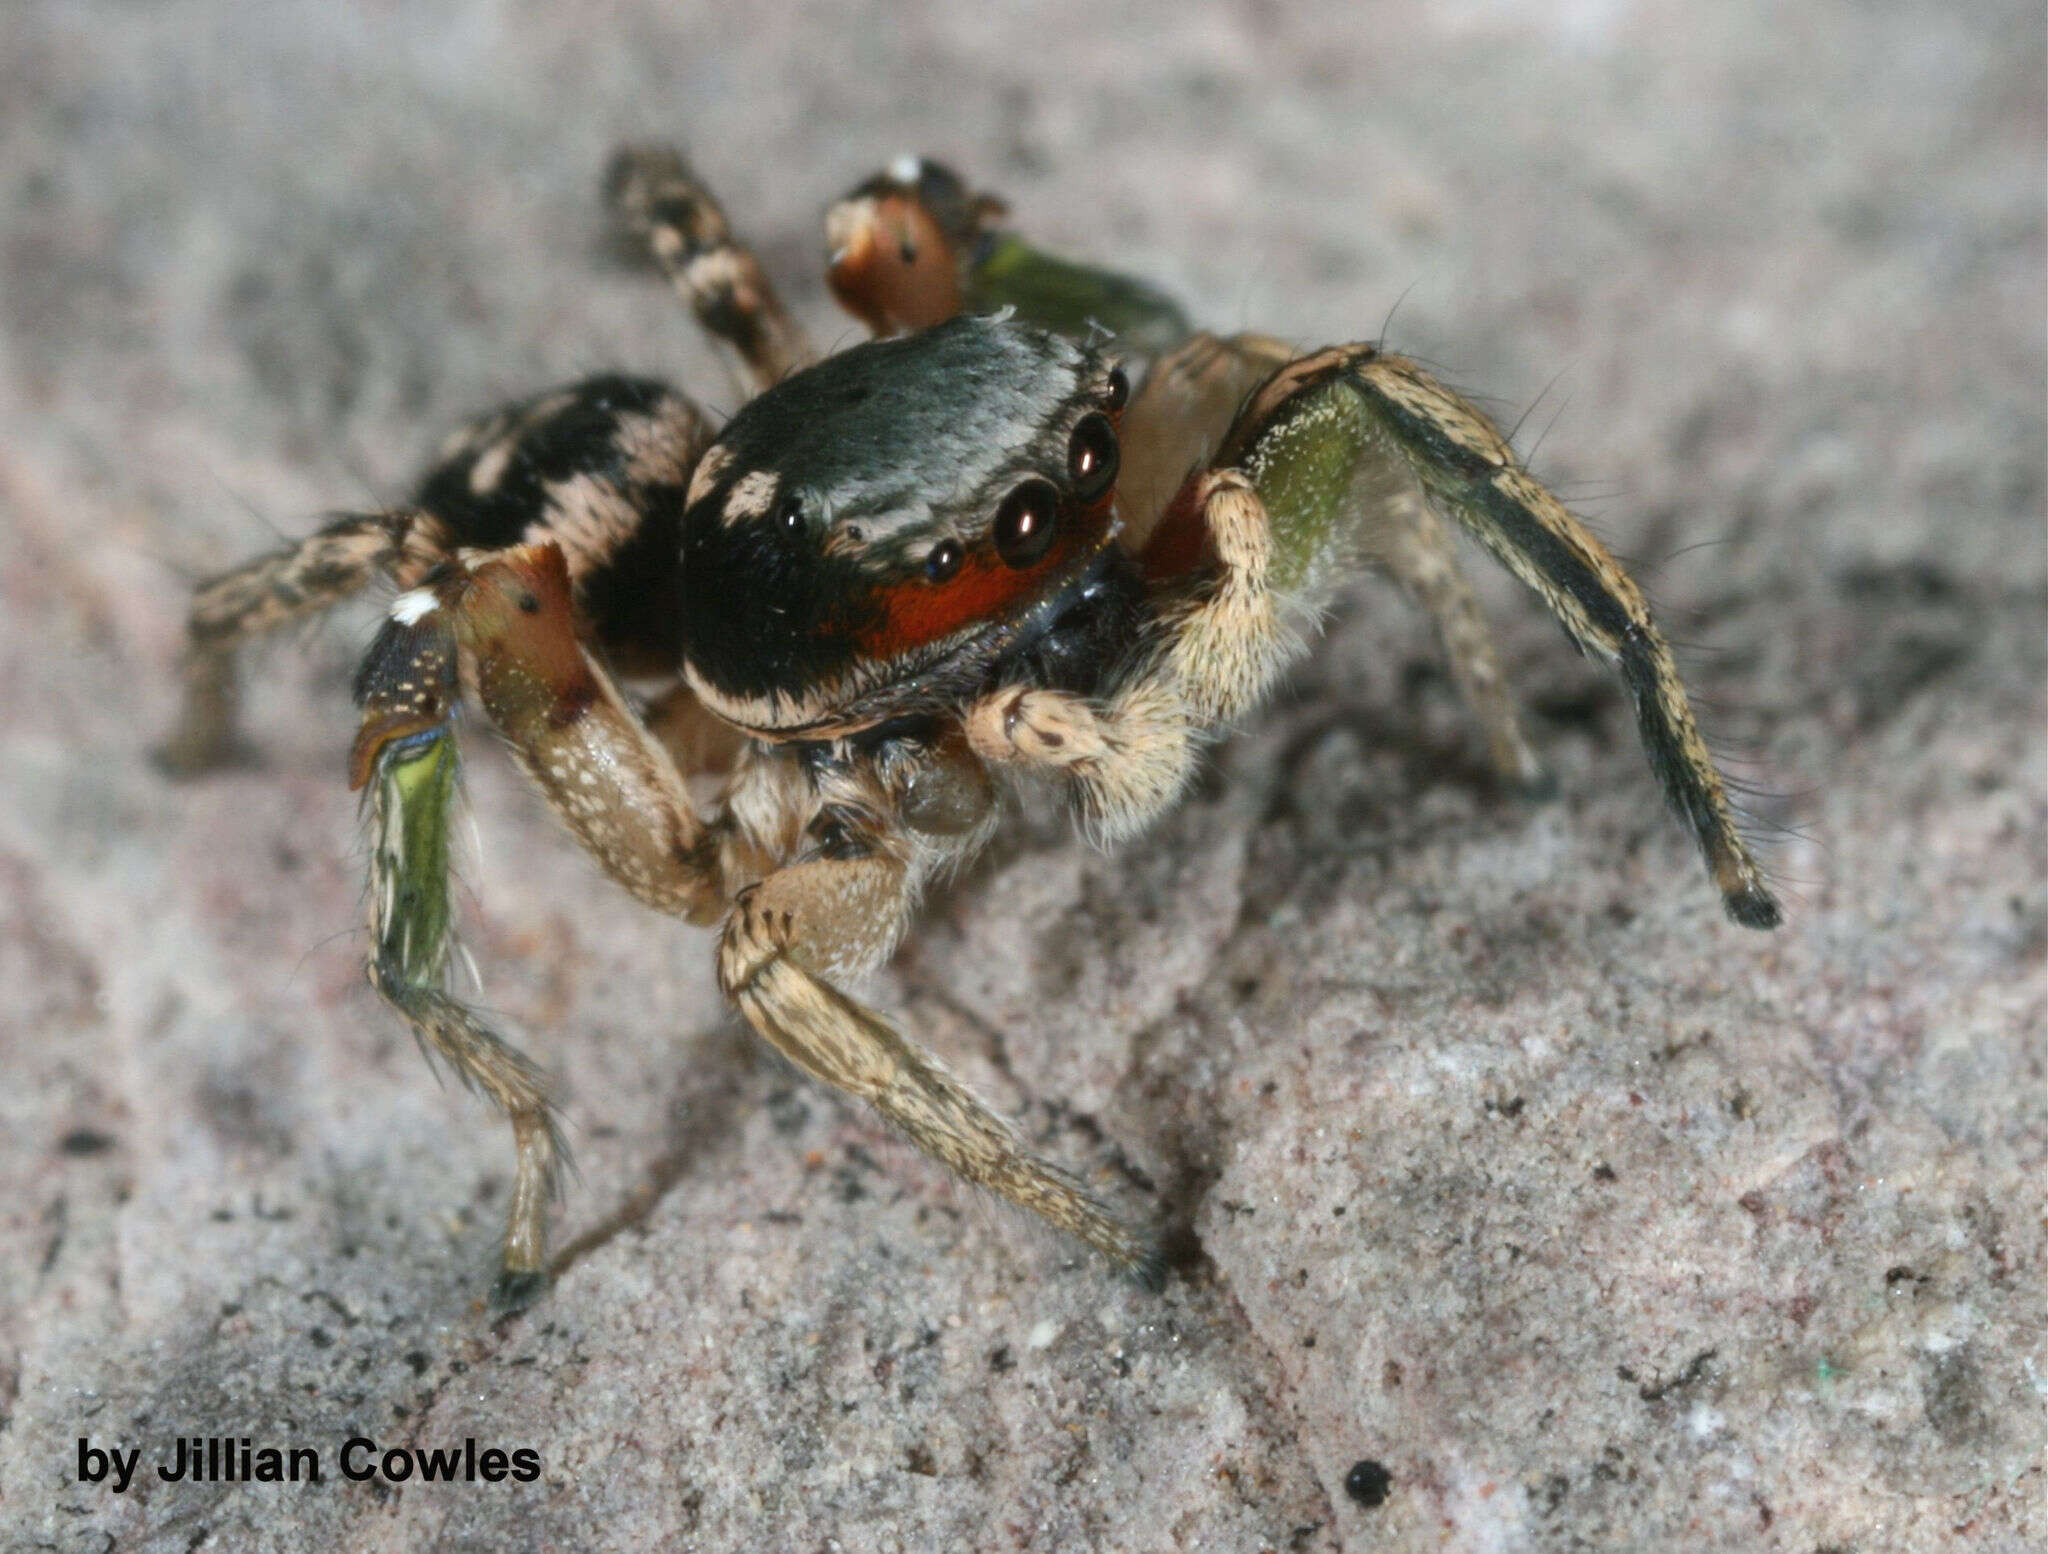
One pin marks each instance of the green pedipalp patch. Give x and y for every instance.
(1303, 466)
(412, 798)
(1069, 298)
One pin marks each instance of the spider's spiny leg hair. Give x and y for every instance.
(1319, 437)
(810, 918)
(602, 772)
(342, 557)
(1469, 470)
(662, 206)
(406, 760)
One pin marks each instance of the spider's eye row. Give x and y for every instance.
(1092, 456)
(1025, 522)
(943, 560)
(1119, 393)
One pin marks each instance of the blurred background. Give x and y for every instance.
(1505, 1167)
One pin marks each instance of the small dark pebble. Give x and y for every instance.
(86, 1141)
(1368, 1483)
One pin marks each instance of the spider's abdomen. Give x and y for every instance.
(600, 467)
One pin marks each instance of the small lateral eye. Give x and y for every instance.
(943, 560)
(1025, 523)
(1119, 393)
(790, 514)
(1092, 456)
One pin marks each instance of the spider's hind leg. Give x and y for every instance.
(321, 571)
(663, 209)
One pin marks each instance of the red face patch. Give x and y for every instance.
(915, 614)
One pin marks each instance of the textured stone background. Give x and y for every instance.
(1504, 1161)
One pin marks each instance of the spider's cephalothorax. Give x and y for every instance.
(895, 578)
(858, 546)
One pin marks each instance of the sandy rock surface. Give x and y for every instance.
(1505, 1166)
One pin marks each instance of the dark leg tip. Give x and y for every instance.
(1755, 907)
(515, 1291)
(1149, 1271)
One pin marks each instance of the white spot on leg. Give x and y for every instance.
(906, 168)
(412, 607)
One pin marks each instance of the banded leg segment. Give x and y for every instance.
(1304, 440)
(321, 571)
(826, 916)
(660, 203)
(405, 757)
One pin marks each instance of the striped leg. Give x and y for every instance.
(835, 917)
(661, 205)
(405, 756)
(504, 623)
(1329, 420)
(321, 571)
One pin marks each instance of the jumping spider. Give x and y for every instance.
(970, 549)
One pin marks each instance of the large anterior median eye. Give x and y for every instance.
(1025, 523)
(1092, 456)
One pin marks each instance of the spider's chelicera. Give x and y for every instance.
(966, 550)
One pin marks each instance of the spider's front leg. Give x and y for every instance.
(839, 916)
(1322, 446)
(1323, 469)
